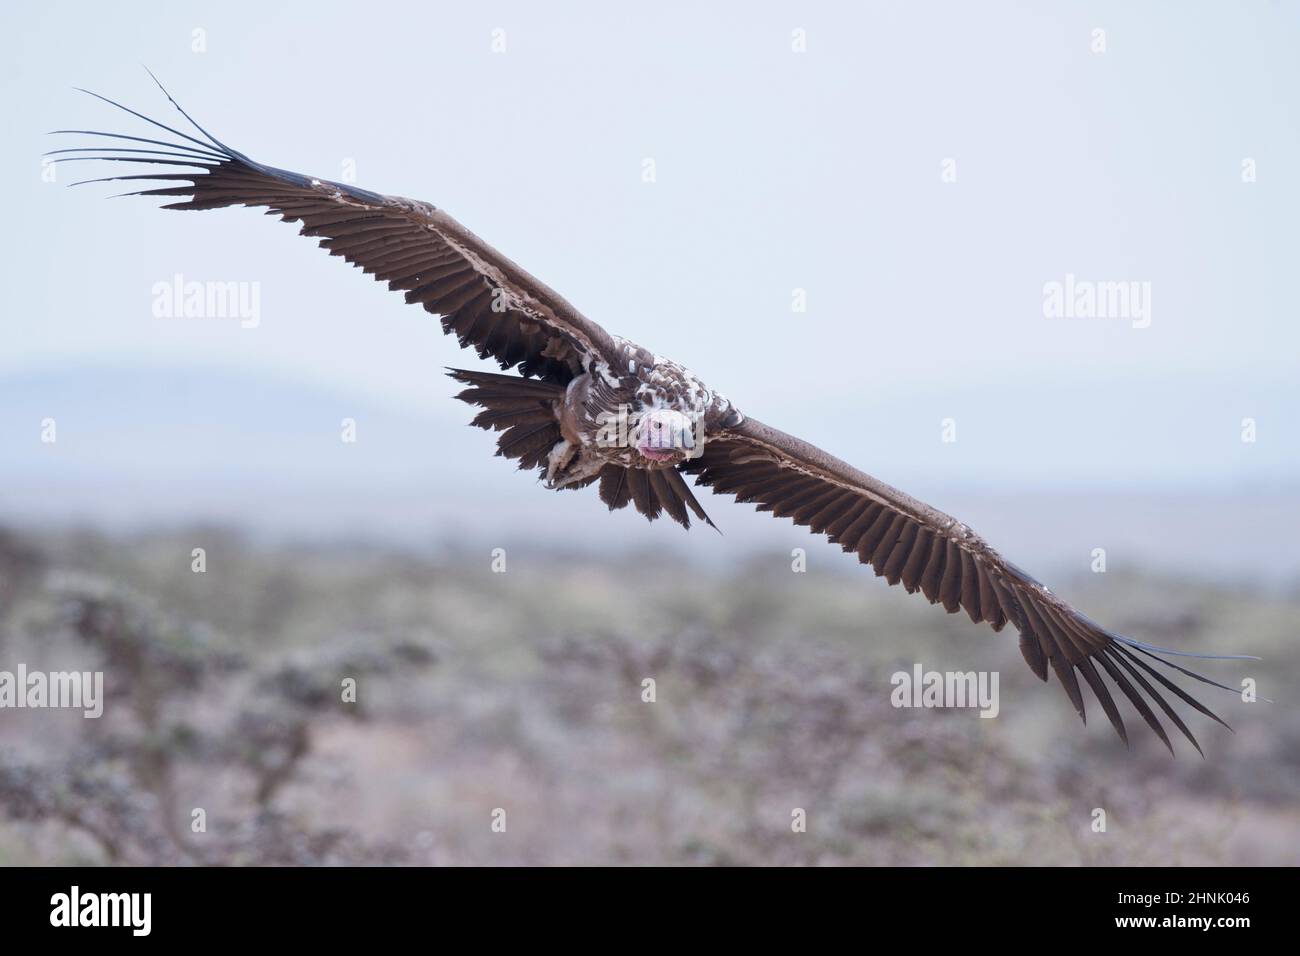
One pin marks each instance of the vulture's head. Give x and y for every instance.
(664, 434)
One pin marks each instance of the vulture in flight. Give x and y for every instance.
(585, 407)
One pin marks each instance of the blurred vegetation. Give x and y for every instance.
(523, 691)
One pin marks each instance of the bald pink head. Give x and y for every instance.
(664, 434)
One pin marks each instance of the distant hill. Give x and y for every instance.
(152, 446)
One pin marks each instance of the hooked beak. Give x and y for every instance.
(657, 454)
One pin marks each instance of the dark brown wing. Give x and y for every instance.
(487, 300)
(928, 551)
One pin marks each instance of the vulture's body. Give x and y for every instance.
(584, 407)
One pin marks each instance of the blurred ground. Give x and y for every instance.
(522, 691)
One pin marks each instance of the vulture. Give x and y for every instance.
(582, 406)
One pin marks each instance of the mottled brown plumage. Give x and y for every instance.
(585, 406)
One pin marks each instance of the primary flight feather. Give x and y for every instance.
(584, 406)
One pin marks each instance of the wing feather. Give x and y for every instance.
(415, 247)
(907, 541)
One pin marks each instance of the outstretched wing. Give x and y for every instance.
(906, 540)
(487, 300)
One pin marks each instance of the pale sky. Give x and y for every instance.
(775, 171)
